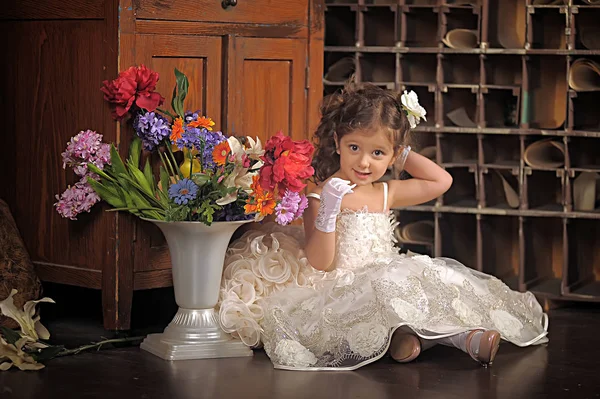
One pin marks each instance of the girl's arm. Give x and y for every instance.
(429, 182)
(319, 246)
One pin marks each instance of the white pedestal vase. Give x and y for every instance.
(197, 254)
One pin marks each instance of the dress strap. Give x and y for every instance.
(314, 195)
(385, 196)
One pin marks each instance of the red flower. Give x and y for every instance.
(136, 84)
(286, 164)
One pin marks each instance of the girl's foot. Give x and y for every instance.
(405, 347)
(482, 345)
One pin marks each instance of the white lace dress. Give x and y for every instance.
(344, 319)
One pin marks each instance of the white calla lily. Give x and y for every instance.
(31, 327)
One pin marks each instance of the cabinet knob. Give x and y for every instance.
(228, 3)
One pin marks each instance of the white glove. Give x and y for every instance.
(331, 203)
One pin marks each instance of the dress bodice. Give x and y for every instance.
(362, 237)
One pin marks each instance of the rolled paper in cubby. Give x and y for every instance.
(584, 75)
(511, 26)
(461, 39)
(592, 1)
(584, 191)
(340, 70)
(512, 198)
(460, 118)
(545, 153)
(422, 231)
(429, 152)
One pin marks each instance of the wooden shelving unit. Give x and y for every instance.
(487, 105)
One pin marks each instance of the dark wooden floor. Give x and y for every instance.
(565, 368)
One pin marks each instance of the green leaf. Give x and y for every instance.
(117, 165)
(175, 104)
(200, 179)
(139, 178)
(149, 176)
(182, 86)
(179, 92)
(135, 150)
(11, 336)
(129, 201)
(105, 193)
(93, 168)
(47, 353)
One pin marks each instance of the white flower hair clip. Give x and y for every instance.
(414, 111)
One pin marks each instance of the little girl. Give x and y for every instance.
(338, 295)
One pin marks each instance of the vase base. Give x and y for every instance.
(167, 349)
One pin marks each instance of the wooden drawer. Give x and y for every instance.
(244, 12)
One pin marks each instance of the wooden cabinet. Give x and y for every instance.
(255, 67)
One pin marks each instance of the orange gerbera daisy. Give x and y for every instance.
(261, 202)
(176, 130)
(202, 122)
(220, 153)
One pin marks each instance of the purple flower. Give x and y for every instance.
(287, 209)
(190, 138)
(302, 205)
(86, 147)
(152, 128)
(232, 212)
(183, 191)
(77, 199)
(203, 140)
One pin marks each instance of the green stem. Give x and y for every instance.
(174, 161)
(97, 345)
(167, 163)
(164, 111)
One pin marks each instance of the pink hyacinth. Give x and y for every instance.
(291, 207)
(77, 199)
(83, 148)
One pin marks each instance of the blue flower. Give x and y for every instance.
(183, 191)
(152, 128)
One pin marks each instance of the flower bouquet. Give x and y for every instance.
(204, 175)
(206, 186)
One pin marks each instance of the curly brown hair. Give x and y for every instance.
(359, 106)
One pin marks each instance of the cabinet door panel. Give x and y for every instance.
(266, 87)
(200, 58)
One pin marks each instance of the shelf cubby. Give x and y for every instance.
(341, 26)
(460, 105)
(543, 189)
(418, 68)
(583, 110)
(458, 243)
(543, 255)
(458, 149)
(547, 28)
(500, 248)
(583, 271)
(380, 26)
(501, 152)
(377, 67)
(500, 188)
(463, 192)
(502, 70)
(461, 69)
(587, 31)
(501, 106)
(420, 26)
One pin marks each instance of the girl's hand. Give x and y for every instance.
(331, 203)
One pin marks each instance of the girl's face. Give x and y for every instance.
(364, 156)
